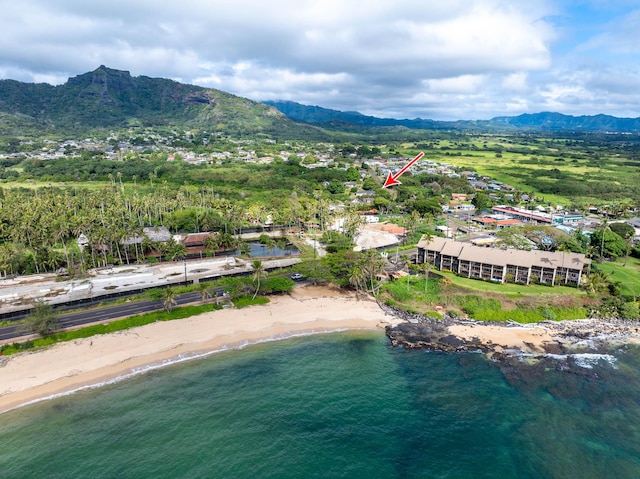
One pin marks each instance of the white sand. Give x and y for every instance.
(68, 366)
(524, 338)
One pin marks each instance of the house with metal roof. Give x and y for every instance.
(498, 265)
(156, 234)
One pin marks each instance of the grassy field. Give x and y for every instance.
(628, 276)
(511, 289)
(562, 169)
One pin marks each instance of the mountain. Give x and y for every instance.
(108, 98)
(545, 121)
(550, 121)
(327, 117)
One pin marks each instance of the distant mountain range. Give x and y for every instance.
(546, 121)
(108, 98)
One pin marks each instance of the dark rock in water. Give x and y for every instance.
(499, 356)
(554, 348)
(431, 335)
(452, 341)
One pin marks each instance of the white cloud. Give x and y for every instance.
(515, 81)
(461, 84)
(429, 58)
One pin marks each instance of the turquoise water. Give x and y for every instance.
(339, 405)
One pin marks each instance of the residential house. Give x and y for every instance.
(156, 234)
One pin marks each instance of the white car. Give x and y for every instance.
(296, 276)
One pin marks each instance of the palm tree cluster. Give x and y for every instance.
(39, 228)
(364, 272)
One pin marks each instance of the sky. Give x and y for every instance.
(437, 59)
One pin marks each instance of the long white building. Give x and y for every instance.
(498, 265)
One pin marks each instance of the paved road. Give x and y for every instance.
(114, 312)
(108, 313)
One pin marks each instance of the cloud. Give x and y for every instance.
(474, 58)
(515, 81)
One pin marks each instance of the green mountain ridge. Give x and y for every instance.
(108, 98)
(544, 121)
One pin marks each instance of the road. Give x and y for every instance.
(107, 314)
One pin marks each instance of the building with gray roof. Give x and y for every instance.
(498, 265)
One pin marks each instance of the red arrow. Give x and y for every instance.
(393, 179)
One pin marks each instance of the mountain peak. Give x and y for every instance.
(111, 71)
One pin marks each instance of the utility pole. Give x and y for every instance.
(184, 260)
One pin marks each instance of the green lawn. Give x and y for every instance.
(509, 288)
(628, 276)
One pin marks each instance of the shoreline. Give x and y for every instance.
(501, 341)
(64, 368)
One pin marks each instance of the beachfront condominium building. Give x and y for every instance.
(503, 265)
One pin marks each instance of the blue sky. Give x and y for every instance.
(454, 59)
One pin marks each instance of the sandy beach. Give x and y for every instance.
(526, 338)
(64, 367)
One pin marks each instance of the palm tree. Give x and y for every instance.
(372, 266)
(598, 281)
(258, 271)
(356, 278)
(205, 291)
(211, 245)
(42, 320)
(168, 299)
(604, 227)
(427, 266)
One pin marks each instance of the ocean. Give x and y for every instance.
(341, 405)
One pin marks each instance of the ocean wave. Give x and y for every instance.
(585, 360)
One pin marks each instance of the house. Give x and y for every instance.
(193, 240)
(514, 266)
(459, 197)
(497, 221)
(394, 229)
(479, 185)
(635, 222)
(571, 219)
(156, 234)
(507, 223)
(527, 216)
